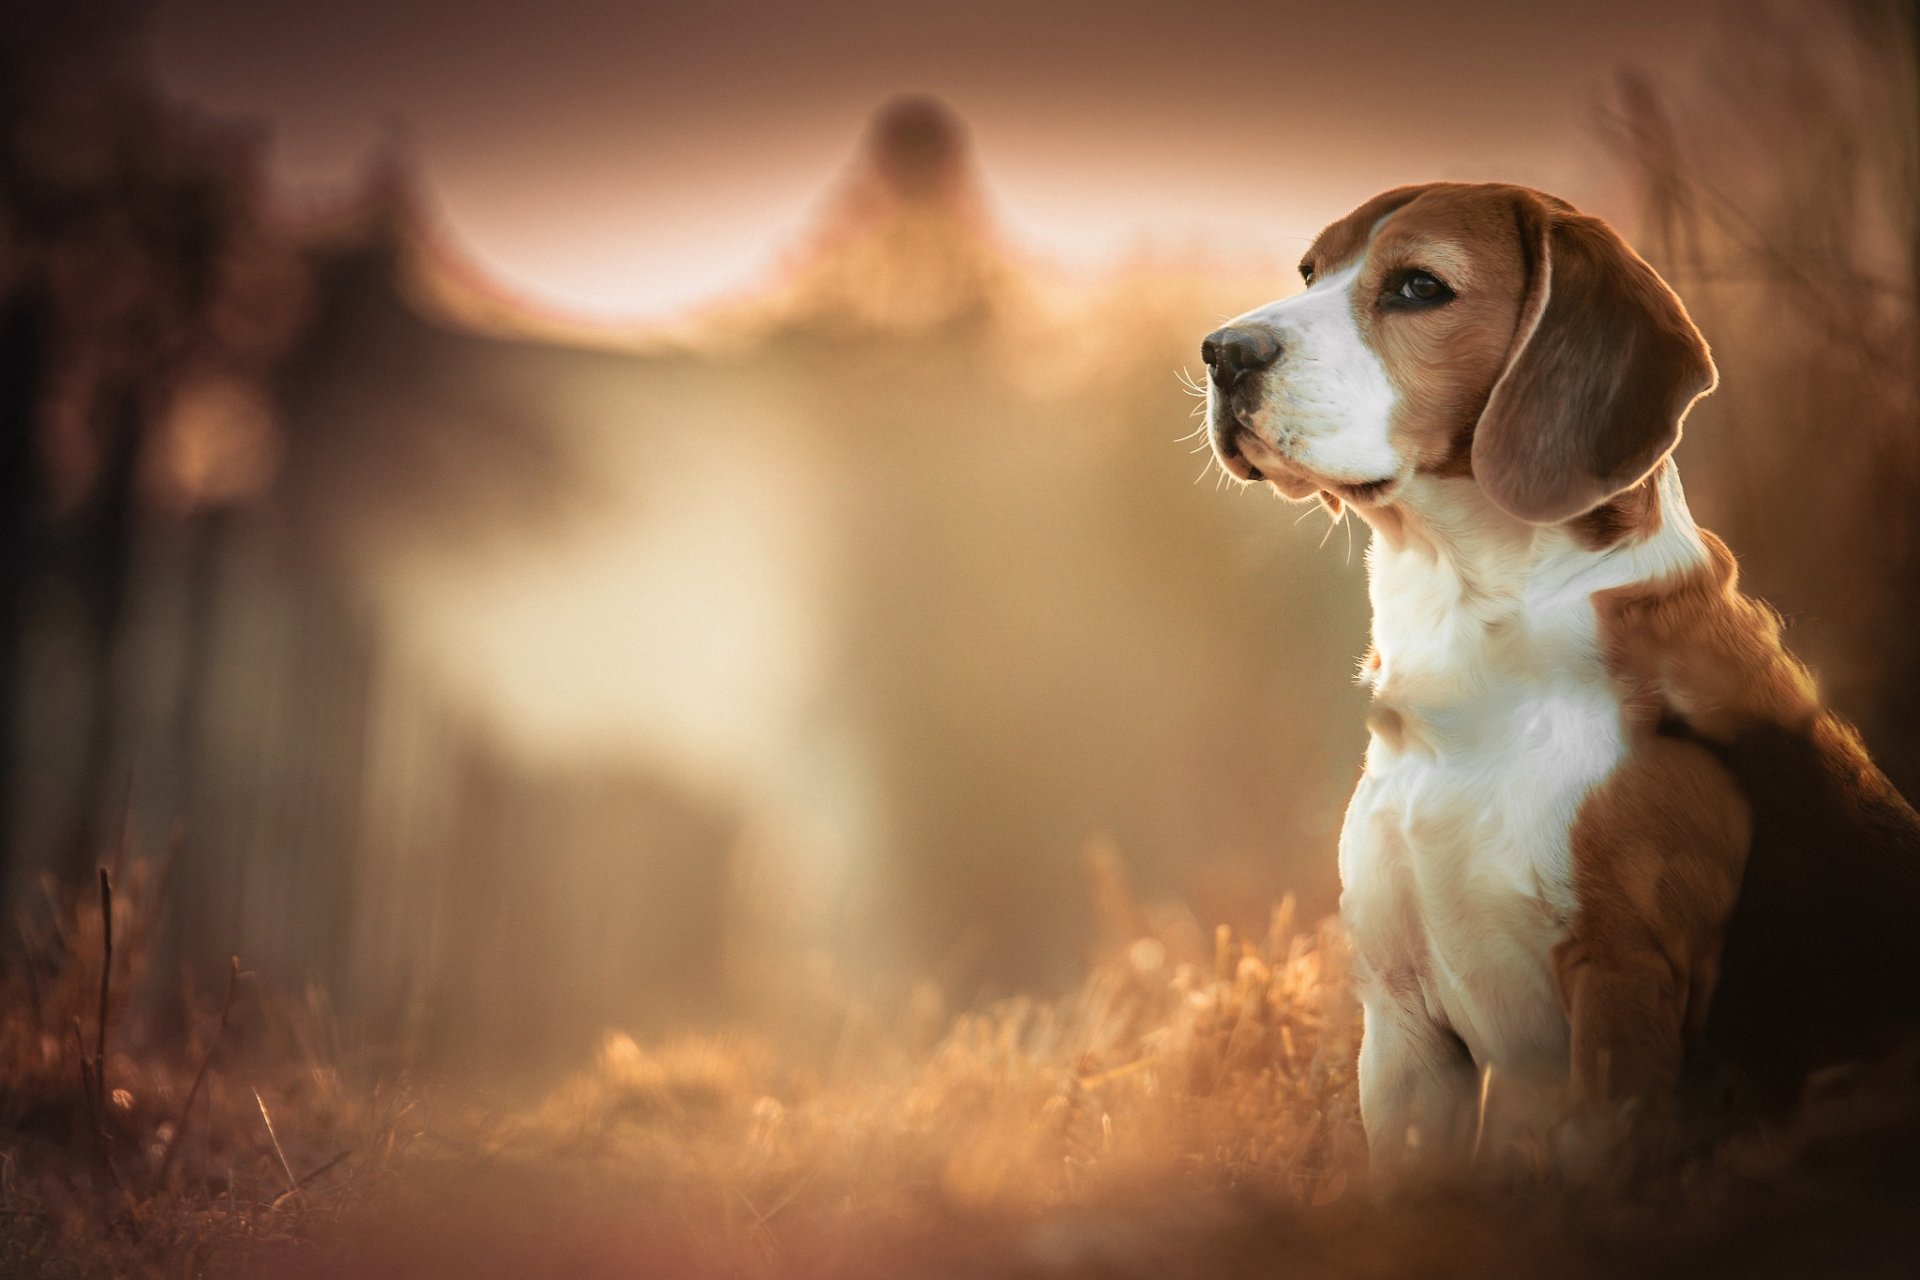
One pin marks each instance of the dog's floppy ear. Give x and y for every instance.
(1604, 366)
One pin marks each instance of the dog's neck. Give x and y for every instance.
(1464, 593)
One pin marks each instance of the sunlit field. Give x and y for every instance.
(1194, 1077)
(1187, 1110)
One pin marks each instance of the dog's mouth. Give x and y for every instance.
(1235, 463)
(1241, 451)
(1247, 457)
(1370, 493)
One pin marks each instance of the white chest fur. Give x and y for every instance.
(1494, 717)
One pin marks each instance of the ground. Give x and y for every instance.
(1189, 1110)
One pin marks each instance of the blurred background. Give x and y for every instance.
(545, 517)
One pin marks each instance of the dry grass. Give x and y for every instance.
(1183, 1076)
(120, 1159)
(1188, 1111)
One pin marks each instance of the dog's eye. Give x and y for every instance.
(1421, 288)
(1306, 272)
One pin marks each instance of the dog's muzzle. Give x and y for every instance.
(1233, 355)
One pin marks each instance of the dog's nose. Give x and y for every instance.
(1236, 351)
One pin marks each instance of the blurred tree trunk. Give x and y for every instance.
(104, 569)
(23, 332)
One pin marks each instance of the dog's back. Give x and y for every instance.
(1821, 963)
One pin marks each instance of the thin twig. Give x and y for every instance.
(1480, 1121)
(106, 988)
(293, 1183)
(89, 1089)
(305, 1178)
(200, 1076)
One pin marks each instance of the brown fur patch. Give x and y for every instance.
(1444, 361)
(1657, 855)
(1737, 778)
(1606, 366)
(1336, 247)
(1633, 515)
(1697, 648)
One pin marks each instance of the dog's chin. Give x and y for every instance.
(1248, 458)
(1287, 481)
(1251, 460)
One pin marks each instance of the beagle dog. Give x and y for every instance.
(1609, 851)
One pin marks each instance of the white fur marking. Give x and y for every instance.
(1328, 402)
(1455, 852)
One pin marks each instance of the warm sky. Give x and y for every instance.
(630, 159)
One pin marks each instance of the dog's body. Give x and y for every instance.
(1495, 717)
(1604, 820)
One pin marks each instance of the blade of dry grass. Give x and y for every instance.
(106, 991)
(293, 1183)
(318, 1171)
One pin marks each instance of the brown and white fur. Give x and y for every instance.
(1607, 839)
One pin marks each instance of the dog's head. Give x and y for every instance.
(1460, 329)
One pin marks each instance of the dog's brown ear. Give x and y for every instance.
(1604, 366)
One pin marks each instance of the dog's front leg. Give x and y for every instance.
(1626, 1012)
(1658, 854)
(1417, 1091)
(1628, 1002)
